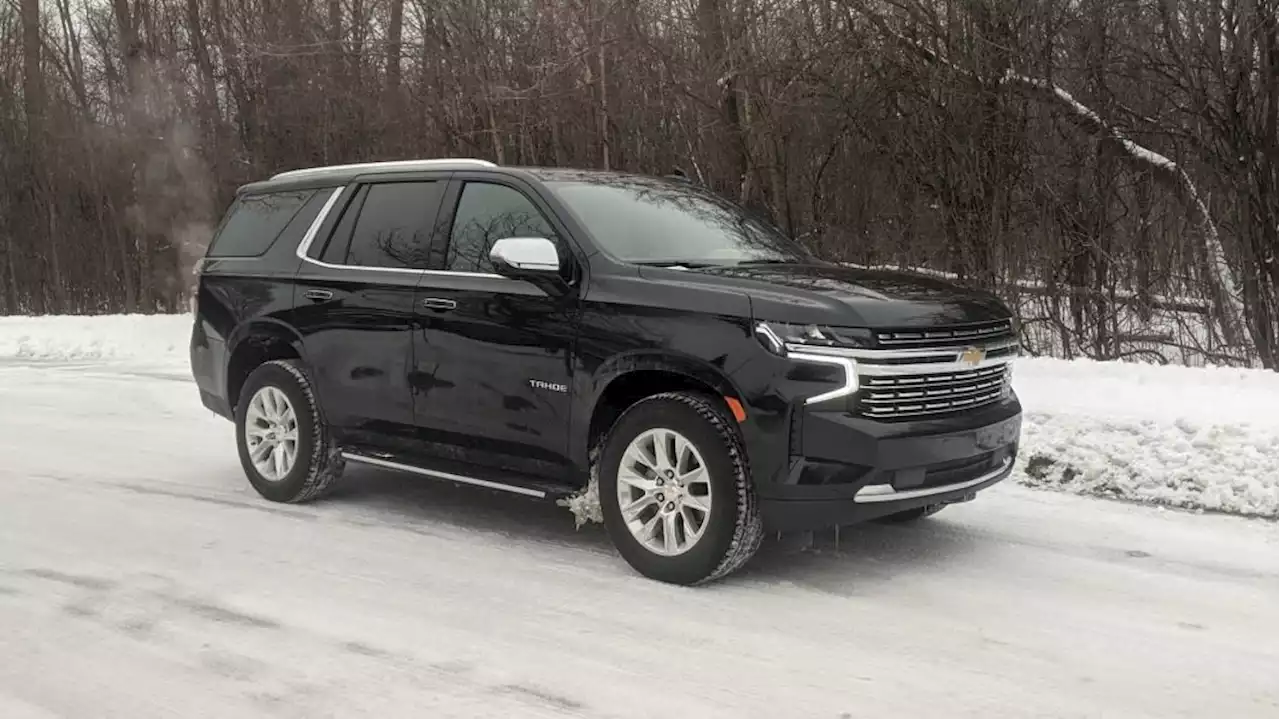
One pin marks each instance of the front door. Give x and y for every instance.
(492, 358)
(354, 303)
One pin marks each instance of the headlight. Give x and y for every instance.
(820, 345)
(777, 336)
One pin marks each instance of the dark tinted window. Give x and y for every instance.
(487, 213)
(393, 229)
(255, 221)
(655, 221)
(335, 253)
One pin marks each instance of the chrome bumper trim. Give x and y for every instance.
(886, 493)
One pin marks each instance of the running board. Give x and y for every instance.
(436, 474)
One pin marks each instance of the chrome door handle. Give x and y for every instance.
(318, 295)
(439, 304)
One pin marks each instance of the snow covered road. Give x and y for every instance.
(141, 577)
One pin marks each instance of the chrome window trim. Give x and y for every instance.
(305, 246)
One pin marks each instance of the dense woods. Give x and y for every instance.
(1108, 166)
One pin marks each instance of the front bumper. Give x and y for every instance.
(846, 469)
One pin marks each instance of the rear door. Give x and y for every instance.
(355, 303)
(493, 355)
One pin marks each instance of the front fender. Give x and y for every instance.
(694, 368)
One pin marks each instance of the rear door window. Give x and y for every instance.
(255, 222)
(392, 230)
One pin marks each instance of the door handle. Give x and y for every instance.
(318, 295)
(439, 304)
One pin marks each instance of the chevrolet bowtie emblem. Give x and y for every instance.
(972, 356)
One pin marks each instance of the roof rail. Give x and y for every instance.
(405, 165)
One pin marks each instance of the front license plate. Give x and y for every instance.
(1000, 434)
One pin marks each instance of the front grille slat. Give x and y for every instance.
(945, 391)
(954, 393)
(945, 336)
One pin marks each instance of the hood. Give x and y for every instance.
(845, 296)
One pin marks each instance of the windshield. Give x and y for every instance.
(645, 221)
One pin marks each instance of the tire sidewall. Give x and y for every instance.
(292, 485)
(723, 465)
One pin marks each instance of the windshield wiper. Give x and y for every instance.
(767, 262)
(672, 263)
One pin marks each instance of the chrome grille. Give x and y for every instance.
(945, 336)
(921, 395)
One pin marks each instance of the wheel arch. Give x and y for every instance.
(626, 379)
(253, 343)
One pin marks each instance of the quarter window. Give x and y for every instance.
(255, 221)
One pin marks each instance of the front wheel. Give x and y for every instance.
(676, 492)
(285, 447)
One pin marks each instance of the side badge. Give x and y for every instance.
(539, 384)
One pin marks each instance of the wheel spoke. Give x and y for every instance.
(692, 526)
(255, 413)
(632, 511)
(669, 539)
(645, 531)
(662, 450)
(278, 404)
(697, 475)
(628, 476)
(698, 502)
(638, 456)
(277, 461)
(684, 456)
(258, 453)
(290, 453)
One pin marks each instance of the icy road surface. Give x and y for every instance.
(141, 577)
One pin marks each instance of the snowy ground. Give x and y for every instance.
(141, 577)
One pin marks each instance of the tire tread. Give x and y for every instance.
(326, 463)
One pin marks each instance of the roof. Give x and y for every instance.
(393, 166)
(335, 175)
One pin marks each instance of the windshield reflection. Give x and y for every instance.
(647, 220)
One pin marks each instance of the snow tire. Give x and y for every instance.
(319, 462)
(734, 531)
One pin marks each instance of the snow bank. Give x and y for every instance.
(151, 339)
(1203, 438)
(1199, 438)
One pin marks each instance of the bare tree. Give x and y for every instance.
(1108, 168)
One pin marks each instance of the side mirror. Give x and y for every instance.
(525, 257)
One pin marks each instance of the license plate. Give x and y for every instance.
(998, 435)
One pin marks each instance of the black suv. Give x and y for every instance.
(563, 334)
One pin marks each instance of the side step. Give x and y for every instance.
(536, 489)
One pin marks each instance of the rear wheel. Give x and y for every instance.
(676, 492)
(285, 447)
